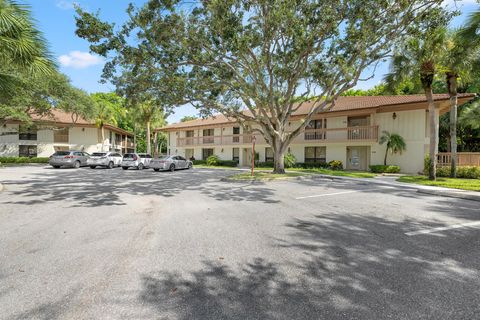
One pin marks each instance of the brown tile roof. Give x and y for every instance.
(61, 117)
(342, 104)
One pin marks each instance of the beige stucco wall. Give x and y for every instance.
(84, 139)
(411, 125)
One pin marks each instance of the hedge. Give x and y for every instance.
(199, 162)
(311, 165)
(23, 160)
(225, 163)
(462, 172)
(380, 168)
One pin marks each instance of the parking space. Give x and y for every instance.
(115, 244)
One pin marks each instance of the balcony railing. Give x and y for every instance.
(364, 133)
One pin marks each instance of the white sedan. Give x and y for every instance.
(104, 159)
(172, 163)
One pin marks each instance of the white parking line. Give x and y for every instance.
(455, 226)
(331, 194)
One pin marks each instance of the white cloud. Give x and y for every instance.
(65, 4)
(458, 3)
(79, 60)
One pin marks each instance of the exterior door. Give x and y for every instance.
(357, 158)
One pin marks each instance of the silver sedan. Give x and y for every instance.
(171, 163)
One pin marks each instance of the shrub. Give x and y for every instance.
(426, 164)
(380, 168)
(335, 165)
(213, 160)
(199, 162)
(289, 160)
(23, 160)
(462, 172)
(266, 164)
(227, 163)
(311, 165)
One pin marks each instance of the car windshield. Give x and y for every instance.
(61, 153)
(98, 154)
(142, 155)
(129, 156)
(163, 157)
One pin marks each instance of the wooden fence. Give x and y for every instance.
(463, 159)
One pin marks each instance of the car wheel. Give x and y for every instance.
(172, 167)
(56, 167)
(156, 169)
(110, 165)
(76, 165)
(93, 167)
(125, 168)
(140, 166)
(189, 166)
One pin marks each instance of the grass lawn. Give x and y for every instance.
(263, 175)
(352, 174)
(465, 184)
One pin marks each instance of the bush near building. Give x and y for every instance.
(380, 168)
(23, 160)
(462, 172)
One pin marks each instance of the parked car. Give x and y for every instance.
(171, 163)
(105, 159)
(73, 159)
(136, 160)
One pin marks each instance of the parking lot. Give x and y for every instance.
(114, 244)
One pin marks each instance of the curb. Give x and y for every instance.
(451, 194)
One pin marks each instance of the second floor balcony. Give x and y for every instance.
(347, 134)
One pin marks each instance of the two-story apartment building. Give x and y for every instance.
(348, 132)
(60, 131)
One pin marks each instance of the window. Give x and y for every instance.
(314, 131)
(206, 153)
(236, 131)
(27, 151)
(27, 133)
(268, 154)
(208, 135)
(60, 135)
(189, 133)
(315, 154)
(78, 154)
(236, 154)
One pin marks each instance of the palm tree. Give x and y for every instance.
(417, 58)
(22, 47)
(395, 143)
(458, 61)
(105, 113)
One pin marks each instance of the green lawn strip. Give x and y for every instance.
(262, 175)
(465, 184)
(352, 174)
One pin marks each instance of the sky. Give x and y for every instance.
(55, 18)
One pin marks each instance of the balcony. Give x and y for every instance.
(350, 134)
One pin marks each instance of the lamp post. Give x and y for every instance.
(253, 154)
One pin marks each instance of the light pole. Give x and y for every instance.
(253, 153)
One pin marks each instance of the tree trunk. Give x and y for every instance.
(147, 138)
(135, 138)
(385, 159)
(452, 91)
(155, 144)
(432, 173)
(103, 136)
(279, 148)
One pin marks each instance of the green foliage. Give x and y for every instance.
(384, 169)
(266, 164)
(466, 172)
(213, 160)
(311, 165)
(426, 164)
(199, 162)
(395, 143)
(289, 160)
(23, 50)
(228, 163)
(23, 160)
(335, 165)
(188, 118)
(225, 56)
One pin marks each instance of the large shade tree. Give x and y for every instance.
(254, 61)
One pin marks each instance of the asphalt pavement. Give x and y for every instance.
(114, 244)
